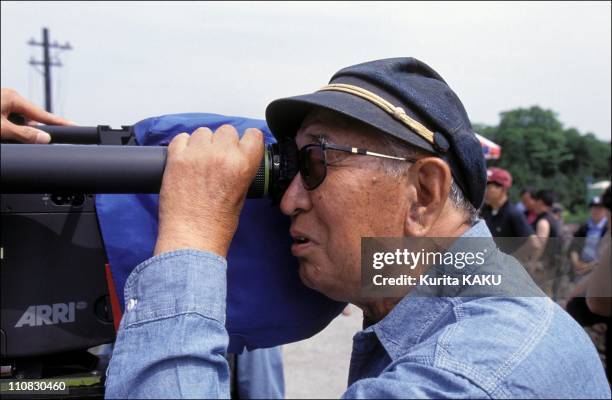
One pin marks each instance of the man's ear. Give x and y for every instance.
(430, 179)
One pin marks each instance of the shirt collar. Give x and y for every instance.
(414, 316)
(498, 210)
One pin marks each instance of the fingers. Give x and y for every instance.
(11, 103)
(24, 134)
(178, 144)
(33, 112)
(253, 145)
(226, 135)
(216, 169)
(201, 136)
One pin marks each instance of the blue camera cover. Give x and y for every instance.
(267, 304)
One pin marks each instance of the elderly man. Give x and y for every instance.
(507, 223)
(386, 149)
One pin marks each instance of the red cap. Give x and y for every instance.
(499, 176)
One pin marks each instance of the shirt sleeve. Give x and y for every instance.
(172, 339)
(413, 380)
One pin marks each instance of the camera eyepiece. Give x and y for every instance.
(278, 167)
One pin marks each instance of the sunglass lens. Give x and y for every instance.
(312, 166)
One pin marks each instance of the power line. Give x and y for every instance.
(47, 63)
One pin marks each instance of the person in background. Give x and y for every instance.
(520, 205)
(548, 230)
(563, 278)
(527, 204)
(501, 217)
(546, 224)
(557, 211)
(584, 254)
(12, 102)
(258, 374)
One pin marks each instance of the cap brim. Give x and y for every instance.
(285, 116)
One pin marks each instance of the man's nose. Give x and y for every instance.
(296, 198)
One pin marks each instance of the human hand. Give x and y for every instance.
(204, 186)
(13, 102)
(582, 268)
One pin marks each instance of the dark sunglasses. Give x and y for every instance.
(313, 161)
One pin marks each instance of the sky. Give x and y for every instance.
(131, 61)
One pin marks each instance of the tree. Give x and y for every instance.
(539, 152)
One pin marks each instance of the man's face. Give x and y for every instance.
(539, 206)
(493, 194)
(357, 199)
(597, 213)
(528, 201)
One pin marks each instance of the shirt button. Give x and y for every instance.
(131, 304)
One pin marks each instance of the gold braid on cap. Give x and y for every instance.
(396, 112)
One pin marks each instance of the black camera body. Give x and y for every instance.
(56, 309)
(55, 297)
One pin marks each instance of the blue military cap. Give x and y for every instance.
(402, 97)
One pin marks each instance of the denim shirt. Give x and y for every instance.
(172, 339)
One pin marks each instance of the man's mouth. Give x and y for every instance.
(301, 243)
(299, 248)
(300, 240)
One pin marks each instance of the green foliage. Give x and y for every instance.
(540, 153)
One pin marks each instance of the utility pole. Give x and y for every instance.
(47, 63)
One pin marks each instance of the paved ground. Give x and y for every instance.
(318, 367)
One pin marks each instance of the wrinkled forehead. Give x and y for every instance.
(335, 128)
